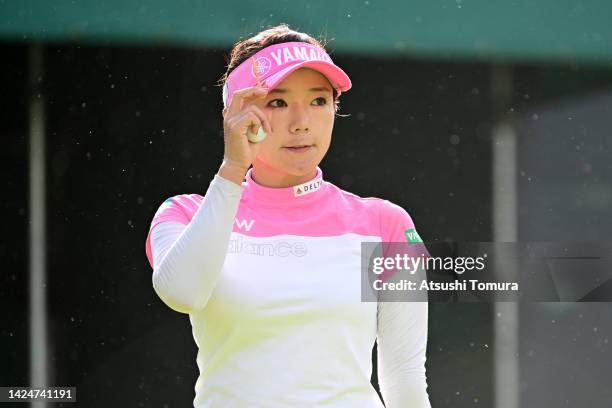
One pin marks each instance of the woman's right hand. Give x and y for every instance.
(242, 115)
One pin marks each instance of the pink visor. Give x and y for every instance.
(276, 62)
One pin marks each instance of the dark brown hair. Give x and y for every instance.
(245, 49)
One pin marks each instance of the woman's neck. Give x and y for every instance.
(270, 177)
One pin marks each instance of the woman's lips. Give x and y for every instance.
(298, 149)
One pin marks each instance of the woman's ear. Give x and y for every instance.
(223, 112)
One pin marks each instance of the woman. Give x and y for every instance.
(267, 263)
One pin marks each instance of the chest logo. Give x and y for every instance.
(244, 224)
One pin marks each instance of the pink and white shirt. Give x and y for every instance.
(271, 280)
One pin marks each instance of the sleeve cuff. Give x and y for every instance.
(226, 186)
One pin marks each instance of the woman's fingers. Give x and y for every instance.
(263, 118)
(242, 118)
(252, 117)
(248, 120)
(242, 95)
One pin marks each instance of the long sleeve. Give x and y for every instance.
(402, 322)
(402, 342)
(187, 255)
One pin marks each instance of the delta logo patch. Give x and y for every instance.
(306, 188)
(412, 237)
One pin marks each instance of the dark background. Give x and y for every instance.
(128, 127)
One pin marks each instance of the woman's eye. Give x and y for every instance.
(278, 103)
(321, 101)
(272, 103)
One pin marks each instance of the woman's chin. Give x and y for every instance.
(301, 167)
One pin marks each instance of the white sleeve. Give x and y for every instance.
(188, 258)
(402, 342)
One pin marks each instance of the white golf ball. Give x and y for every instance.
(256, 137)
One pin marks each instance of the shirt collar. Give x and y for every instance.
(285, 196)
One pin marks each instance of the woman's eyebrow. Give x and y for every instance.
(316, 89)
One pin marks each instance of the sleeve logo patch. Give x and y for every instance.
(412, 237)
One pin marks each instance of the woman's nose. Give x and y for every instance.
(300, 122)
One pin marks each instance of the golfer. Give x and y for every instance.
(267, 262)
